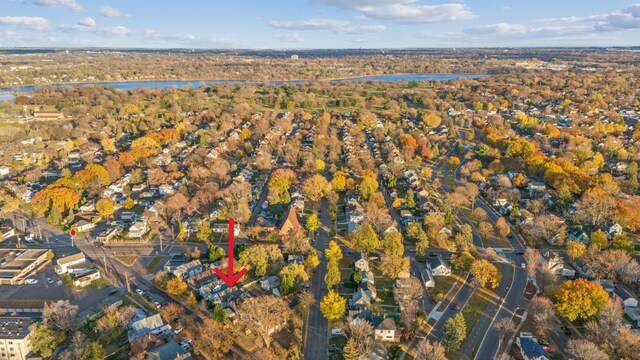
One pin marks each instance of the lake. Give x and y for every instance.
(135, 85)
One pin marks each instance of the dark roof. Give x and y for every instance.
(14, 327)
(622, 293)
(531, 349)
(380, 323)
(435, 261)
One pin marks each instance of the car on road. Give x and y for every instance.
(523, 265)
(31, 281)
(519, 253)
(433, 254)
(455, 306)
(29, 239)
(566, 331)
(139, 291)
(49, 281)
(411, 250)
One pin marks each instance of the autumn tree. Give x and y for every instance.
(44, 340)
(292, 277)
(580, 299)
(595, 207)
(176, 286)
(485, 273)
(316, 187)
(215, 253)
(333, 251)
(263, 314)
(312, 261)
(428, 350)
(204, 232)
(365, 238)
(262, 259)
(332, 277)
(585, 350)
(105, 207)
(575, 250)
(368, 185)
(350, 350)
(394, 265)
(210, 339)
(392, 243)
(313, 223)
(61, 315)
(361, 331)
(599, 239)
(333, 306)
(542, 313)
(502, 227)
(532, 261)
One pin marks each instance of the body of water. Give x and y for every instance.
(8, 93)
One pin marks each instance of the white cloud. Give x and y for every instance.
(69, 4)
(109, 11)
(35, 23)
(88, 22)
(337, 26)
(404, 11)
(291, 38)
(625, 19)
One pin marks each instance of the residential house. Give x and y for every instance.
(66, 264)
(189, 269)
(84, 225)
(384, 329)
(138, 229)
(209, 290)
(169, 351)
(146, 343)
(355, 215)
(556, 264)
(223, 228)
(87, 278)
(290, 223)
(628, 300)
(437, 266)
(577, 234)
(607, 285)
(369, 288)
(536, 188)
(361, 262)
(107, 234)
(270, 283)
(427, 278)
(611, 230)
(4, 170)
(149, 325)
(530, 348)
(360, 301)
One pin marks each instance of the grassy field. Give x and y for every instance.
(475, 308)
(443, 284)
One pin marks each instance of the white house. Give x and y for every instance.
(427, 278)
(556, 264)
(384, 329)
(189, 269)
(4, 170)
(361, 262)
(87, 278)
(137, 230)
(437, 266)
(84, 225)
(66, 264)
(628, 301)
(149, 325)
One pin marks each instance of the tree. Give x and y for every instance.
(417, 234)
(394, 265)
(502, 227)
(368, 185)
(316, 187)
(108, 145)
(176, 286)
(339, 181)
(61, 315)
(599, 239)
(464, 260)
(541, 309)
(262, 259)
(485, 229)
(104, 207)
(264, 314)
(332, 277)
(532, 260)
(215, 253)
(595, 207)
(292, 277)
(312, 261)
(392, 243)
(333, 251)
(129, 203)
(365, 238)
(210, 339)
(585, 350)
(333, 306)
(44, 340)
(82, 349)
(428, 350)
(361, 332)
(575, 249)
(350, 351)
(313, 223)
(296, 242)
(410, 200)
(624, 243)
(204, 231)
(171, 312)
(455, 332)
(485, 273)
(580, 299)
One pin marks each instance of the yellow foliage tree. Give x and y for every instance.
(580, 299)
(176, 286)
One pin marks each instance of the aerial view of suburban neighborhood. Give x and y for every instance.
(319, 180)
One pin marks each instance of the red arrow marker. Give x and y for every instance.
(229, 278)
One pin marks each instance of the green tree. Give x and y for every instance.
(219, 315)
(410, 200)
(54, 217)
(365, 238)
(292, 277)
(624, 243)
(215, 253)
(392, 243)
(204, 231)
(332, 277)
(455, 332)
(416, 233)
(44, 340)
(599, 239)
(313, 223)
(333, 306)
(368, 185)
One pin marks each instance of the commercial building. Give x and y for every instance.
(14, 337)
(18, 265)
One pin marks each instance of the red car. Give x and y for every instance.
(455, 306)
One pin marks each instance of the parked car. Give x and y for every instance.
(139, 291)
(31, 281)
(49, 281)
(455, 306)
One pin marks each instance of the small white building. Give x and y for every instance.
(66, 264)
(438, 267)
(137, 230)
(628, 300)
(84, 225)
(4, 170)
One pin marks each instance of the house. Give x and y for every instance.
(628, 301)
(7, 233)
(536, 188)
(437, 266)
(223, 228)
(146, 343)
(384, 329)
(189, 269)
(84, 225)
(87, 278)
(427, 278)
(355, 215)
(149, 325)
(500, 202)
(290, 223)
(530, 348)
(556, 264)
(607, 285)
(209, 290)
(360, 301)
(270, 283)
(66, 264)
(169, 351)
(88, 206)
(611, 230)
(137, 230)
(4, 170)
(361, 262)
(165, 190)
(577, 234)
(107, 234)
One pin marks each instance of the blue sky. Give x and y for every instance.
(300, 24)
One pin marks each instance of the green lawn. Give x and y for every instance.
(475, 308)
(152, 264)
(443, 284)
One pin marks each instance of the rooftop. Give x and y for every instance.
(14, 327)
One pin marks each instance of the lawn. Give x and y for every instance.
(443, 284)
(152, 264)
(475, 308)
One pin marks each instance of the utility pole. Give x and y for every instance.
(161, 250)
(126, 278)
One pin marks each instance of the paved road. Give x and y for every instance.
(317, 335)
(462, 297)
